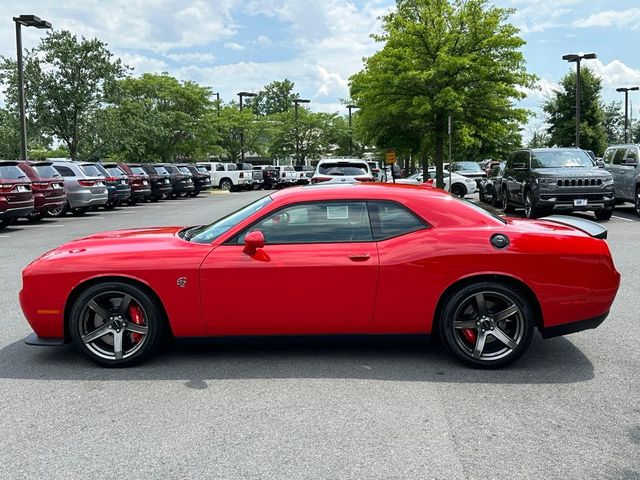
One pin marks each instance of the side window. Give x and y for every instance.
(608, 155)
(390, 220)
(319, 222)
(511, 159)
(619, 156)
(64, 171)
(220, 168)
(632, 153)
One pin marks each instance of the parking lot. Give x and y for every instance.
(325, 409)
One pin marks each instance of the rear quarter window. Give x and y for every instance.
(11, 172)
(390, 220)
(65, 171)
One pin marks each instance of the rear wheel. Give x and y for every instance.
(226, 184)
(116, 324)
(637, 202)
(494, 199)
(530, 209)
(58, 211)
(36, 216)
(132, 201)
(6, 222)
(505, 202)
(487, 325)
(79, 211)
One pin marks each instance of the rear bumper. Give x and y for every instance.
(86, 199)
(16, 212)
(45, 203)
(140, 193)
(573, 327)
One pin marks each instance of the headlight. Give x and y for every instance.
(607, 182)
(469, 180)
(546, 181)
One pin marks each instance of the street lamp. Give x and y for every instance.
(573, 57)
(27, 21)
(351, 107)
(242, 95)
(296, 102)
(626, 109)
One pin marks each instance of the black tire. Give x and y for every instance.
(530, 208)
(463, 308)
(506, 206)
(226, 184)
(637, 201)
(132, 202)
(84, 320)
(5, 222)
(603, 214)
(76, 212)
(58, 212)
(36, 216)
(110, 205)
(481, 194)
(494, 199)
(458, 190)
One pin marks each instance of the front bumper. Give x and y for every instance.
(565, 201)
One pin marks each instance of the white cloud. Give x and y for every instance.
(234, 46)
(615, 73)
(192, 57)
(142, 64)
(263, 41)
(629, 19)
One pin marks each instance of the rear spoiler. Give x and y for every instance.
(587, 226)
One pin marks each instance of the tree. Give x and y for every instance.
(233, 124)
(275, 97)
(312, 132)
(66, 81)
(561, 113)
(157, 118)
(442, 58)
(614, 122)
(539, 139)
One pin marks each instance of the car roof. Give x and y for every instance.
(381, 191)
(342, 160)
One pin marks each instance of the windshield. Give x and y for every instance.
(342, 169)
(561, 159)
(202, 169)
(470, 166)
(209, 233)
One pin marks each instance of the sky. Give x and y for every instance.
(241, 45)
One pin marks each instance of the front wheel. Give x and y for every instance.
(58, 211)
(505, 202)
(116, 324)
(530, 209)
(458, 190)
(36, 216)
(637, 202)
(603, 214)
(487, 325)
(76, 212)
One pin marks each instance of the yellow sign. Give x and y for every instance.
(390, 157)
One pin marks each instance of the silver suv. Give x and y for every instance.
(622, 162)
(83, 191)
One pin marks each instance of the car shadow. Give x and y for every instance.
(415, 359)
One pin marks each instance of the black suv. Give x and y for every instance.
(543, 180)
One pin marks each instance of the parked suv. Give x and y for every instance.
(622, 162)
(118, 188)
(16, 198)
(47, 186)
(182, 182)
(158, 177)
(137, 178)
(201, 178)
(342, 170)
(544, 180)
(84, 191)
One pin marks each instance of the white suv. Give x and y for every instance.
(343, 170)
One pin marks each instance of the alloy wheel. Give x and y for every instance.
(638, 201)
(113, 325)
(488, 326)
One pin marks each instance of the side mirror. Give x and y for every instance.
(630, 162)
(599, 163)
(253, 241)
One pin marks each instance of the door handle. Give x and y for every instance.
(362, 257)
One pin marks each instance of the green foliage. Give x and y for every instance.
(614, 122)
(274, 98)
(234, 126)
(66, 81)
(441, 58)
(561, 112)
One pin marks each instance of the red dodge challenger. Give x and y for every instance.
(481, 283)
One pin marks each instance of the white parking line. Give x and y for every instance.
(5, 236)
(43, 225)
(622, 218)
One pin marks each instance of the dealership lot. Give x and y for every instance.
(323, 409)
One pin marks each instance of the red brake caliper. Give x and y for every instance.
(470, 335)
(136, 317)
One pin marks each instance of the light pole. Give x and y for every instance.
(296, 102)
(242, 95)
(27, 21)
(573, 57)
(351, 107)
(626, 109)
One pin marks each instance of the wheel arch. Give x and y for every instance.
(461, 185)
(501, 278)
(89, 282)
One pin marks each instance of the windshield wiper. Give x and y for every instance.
(191, 232)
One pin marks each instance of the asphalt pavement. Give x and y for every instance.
(569, 409)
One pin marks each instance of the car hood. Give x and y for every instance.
(584, 172)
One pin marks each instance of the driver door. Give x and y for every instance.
(317, 274)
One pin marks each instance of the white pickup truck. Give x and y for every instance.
(227, 176)
(287, 175)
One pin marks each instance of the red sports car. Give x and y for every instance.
(481, 283)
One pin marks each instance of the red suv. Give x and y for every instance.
(16, 197)
(138, 180)
(47, 186)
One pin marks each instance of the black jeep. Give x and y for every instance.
(545, 180)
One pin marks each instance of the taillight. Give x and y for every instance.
(6, 188)
(86, 183)
(41, 185)
(320, 179)
(241, 175)
(364, 179)
(111, 179)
